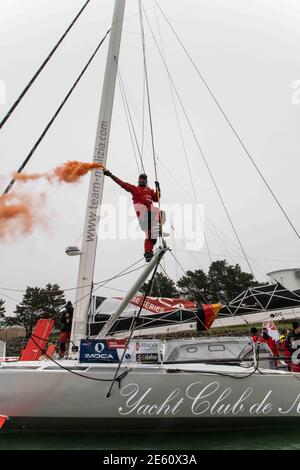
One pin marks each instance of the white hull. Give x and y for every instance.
(39, 395)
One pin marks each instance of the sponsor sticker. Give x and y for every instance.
(112, 350)
(147, 357)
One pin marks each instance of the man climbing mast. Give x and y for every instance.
(148, 215)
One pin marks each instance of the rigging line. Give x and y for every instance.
(217, 373)
(164, 264)
(121, 272)
(146, 321)
(80, 287)
(102, 285)
(67, 369)
(58, 291)
(177, 117)
(168, 322)
(190, 197)
(185, 151)
(203, 156)
(132, 330)
(140, 147)
(179, 126)
(139, 119)
(126, 105)
(119, 275)
(8, 297)
(179, 264)
(56, 114)
(128, 123)
(143, 116)
(161, 235)
(50, 292)
(147, 86)
(12, 290)
(28, 86)
(49, 340)
(204, 159)
(174, 247)
(232, 127)
(116, 290)
(30, 83)
(194, 258)
(149, 110)
(219, 256)
(184, 273)
(138, 116)
(214, 230)
(163, 268)
(233, 247)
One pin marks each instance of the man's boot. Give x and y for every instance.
(148, 256)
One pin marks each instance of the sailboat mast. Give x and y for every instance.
(132, 292)
(90, 234)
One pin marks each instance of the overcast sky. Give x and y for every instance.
(249, 53)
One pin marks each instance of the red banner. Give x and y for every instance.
(162, 304)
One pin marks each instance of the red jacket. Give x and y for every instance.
(140, 194)
(270, 342)
(272, 345)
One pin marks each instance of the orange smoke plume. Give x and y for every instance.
(29, 177)
(18, 215)
(69, 172)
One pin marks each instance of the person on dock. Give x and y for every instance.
(264, 337)
(66, 327)
(292, 347)
(254, 334)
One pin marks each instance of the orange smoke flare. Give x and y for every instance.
(29, 177)
(69, 172)
(18, 215)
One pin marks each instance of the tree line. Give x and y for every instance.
(36, 303)
(222, 283)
